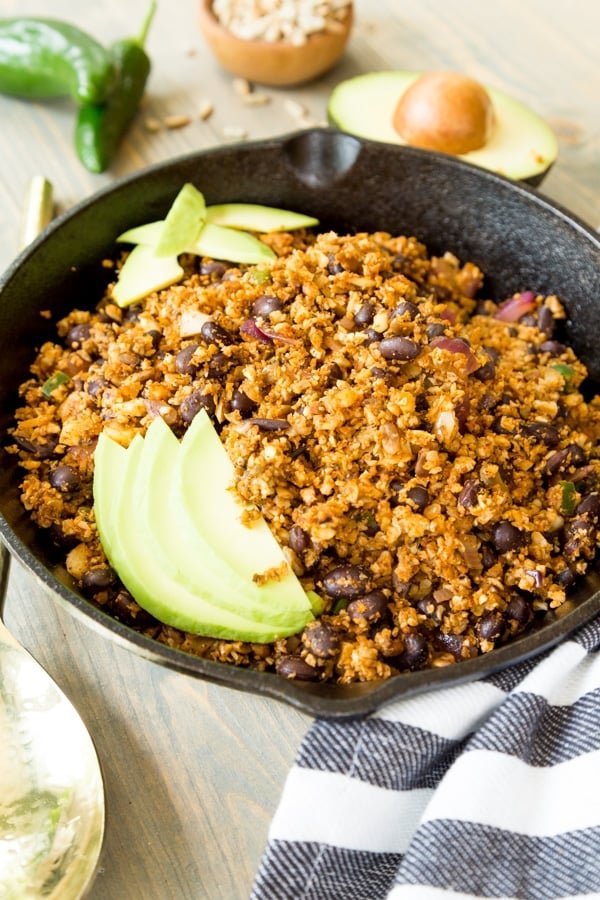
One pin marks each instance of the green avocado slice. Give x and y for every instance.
(183, 223)
(208, 506)
(522, 144)
(191, 556)
(254, 217)
(131, 529)
(142, 273)
(215, 241)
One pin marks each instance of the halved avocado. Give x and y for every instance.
(522, 146)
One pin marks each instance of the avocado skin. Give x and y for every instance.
(380, 92)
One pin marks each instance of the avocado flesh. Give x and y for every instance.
(142, 273)
(187, 552)
(522, 144)
(253, 217)
(129, 539)
(208, 507)
(183, 223)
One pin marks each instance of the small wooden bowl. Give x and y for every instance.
(275, 63)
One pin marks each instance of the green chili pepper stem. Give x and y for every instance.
(43, 58)
(100, 127)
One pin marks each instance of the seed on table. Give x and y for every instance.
(205, 110)
(399, 348)
(347, 582)
(173, 122)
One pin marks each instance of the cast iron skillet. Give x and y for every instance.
(519, 239)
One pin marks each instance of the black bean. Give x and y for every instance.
(191, 406)
(554, 348)
(580, 537)
(183, 360)
(98, 579)
(216, 334)
(566, 578)
(347, 582)
(488, 402)
(436, 329)
(373, 337)
(295, 667)
(518, 609)
(486, 372)
(507, 536)
(378, 372)
(299, 540)
(334, 267)
(220, 364)
(545, 321)
(589, 505)
(60, 536)
(491, 625)
(415, 654)
(488, 557)
(543, 431)
(365, 314)
(321, 639)
(450, 643)
(265, 305)
(125, 608)
(37, 448)
(244, 405)
(64, 478)
(271, 424)
(94, 385)
(214, 267)
(419, 496)
(469, 494)
(407, 309)
(78, 334)
(399, 348)
(369, 608)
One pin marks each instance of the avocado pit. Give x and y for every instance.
(445, 111)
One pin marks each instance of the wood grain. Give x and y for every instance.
(194, 771)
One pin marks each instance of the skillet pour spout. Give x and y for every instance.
(520, 239)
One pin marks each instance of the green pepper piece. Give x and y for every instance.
(100, 127)
(568, 501)
(55, 381)
(43, 58)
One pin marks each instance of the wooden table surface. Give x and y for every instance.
(194, 771)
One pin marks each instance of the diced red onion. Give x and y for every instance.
(449, 315)
(515, 307)
(253, 330)
(457, 345)
(536, 575)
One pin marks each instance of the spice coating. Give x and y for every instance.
(426, 457)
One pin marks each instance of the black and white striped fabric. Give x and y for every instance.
(490, 789)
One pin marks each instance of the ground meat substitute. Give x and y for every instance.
(426, 457)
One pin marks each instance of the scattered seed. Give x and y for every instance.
(242, 87)
(256, 99)
(295, 109)
(176, 121)
(234, 133)
(152, 124)
(206, 110)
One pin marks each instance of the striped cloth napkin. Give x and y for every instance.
(490, 789)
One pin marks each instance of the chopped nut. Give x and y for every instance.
(206, 110)
(176, 121)
(152, 124)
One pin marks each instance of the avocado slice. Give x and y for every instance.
(253, 217)
(144, 272)
(148, 234)
(521, 146)
(192, 556)
(132, 529)
(183, 223)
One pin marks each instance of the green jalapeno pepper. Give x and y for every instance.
(43, 58)
(100, 127)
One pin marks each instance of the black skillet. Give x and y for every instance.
(521, 240)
